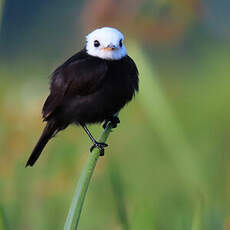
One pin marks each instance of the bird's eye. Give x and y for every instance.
(96, 43)
(120, 43)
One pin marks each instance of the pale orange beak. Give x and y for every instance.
(110, 47)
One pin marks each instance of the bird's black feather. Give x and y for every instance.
(47, 133)
(86, 89)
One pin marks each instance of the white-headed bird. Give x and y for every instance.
(90, 87)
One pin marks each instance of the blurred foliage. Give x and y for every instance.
(172, 146)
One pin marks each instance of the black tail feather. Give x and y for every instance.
(47, 134)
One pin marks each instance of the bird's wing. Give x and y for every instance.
(80, 75)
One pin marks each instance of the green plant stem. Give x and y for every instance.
(163, 119)
(83, 183)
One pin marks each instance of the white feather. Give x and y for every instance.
(106, 36)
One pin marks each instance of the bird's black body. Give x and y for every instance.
(89, 89)
(86, 89)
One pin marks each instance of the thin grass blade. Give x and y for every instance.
(83, 183)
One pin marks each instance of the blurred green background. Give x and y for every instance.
(167, 165)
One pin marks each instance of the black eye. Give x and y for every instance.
(96, 43)
(120, 43)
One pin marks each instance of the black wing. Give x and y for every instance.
(133, 73)
(80, 75)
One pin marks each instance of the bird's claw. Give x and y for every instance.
(114, 121)
(100, 146)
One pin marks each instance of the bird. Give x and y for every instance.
(90, 87)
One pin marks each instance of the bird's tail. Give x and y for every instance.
(48, 132)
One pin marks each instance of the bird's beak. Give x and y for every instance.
(110, 47)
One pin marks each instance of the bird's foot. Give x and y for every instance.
(100, 146)
(114, 121)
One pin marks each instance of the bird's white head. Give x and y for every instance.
(106, 43)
